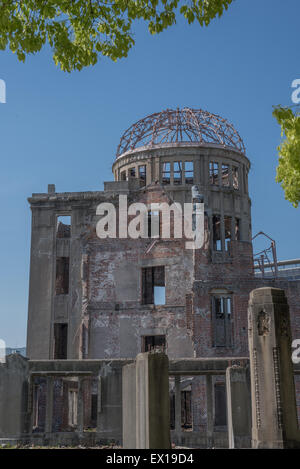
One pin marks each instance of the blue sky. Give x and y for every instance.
(64, 128)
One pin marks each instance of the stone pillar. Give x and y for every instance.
(274, 415)
(14, 377)
(238, 407)
(110, 423)
(99, 404)
(49, 404)
(178, 409)
(152, 401)
(129, 406)
(209, 411)
(80, 405)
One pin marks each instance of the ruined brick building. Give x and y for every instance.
(93, 298)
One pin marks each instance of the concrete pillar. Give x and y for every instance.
(152, 401)
(110, 423)
(129, 406)
(178, 410)
(80, 405)
(238, 407)
(177, 406)
(274, 415)
(99, 404)
(14, 376)
(209, 411)
(49, 404)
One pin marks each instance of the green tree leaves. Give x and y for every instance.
(288, 170)
(79, 31)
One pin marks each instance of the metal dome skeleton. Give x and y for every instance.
(185, 125)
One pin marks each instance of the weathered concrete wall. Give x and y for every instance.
(13, 396)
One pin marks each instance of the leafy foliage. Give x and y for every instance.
(79, 31)
(288, 170)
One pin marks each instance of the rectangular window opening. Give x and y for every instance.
(225, 175)
(142, 175)
(166, 173)
(132, 172)
(60, 341)
(213, 173)
(153, 342)
(94, 409)
(177, 175)
(186, 409)
(227, 223)
(189, 172)
(153, 285)
(62, 276)
(123, 176)
(220, 405)
(63, 227)
(222, 321)
(73, 399)
(235, 177)
(217, 244)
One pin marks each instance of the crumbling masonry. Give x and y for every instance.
(94, 298)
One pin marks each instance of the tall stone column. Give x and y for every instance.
(238, 407)
(274, 413)
(129, 406)
(152, 401)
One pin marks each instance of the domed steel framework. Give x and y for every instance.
(182, 125)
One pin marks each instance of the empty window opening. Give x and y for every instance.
(153, 285)
(73, 401)
(63, 227)
(220, 405)
(153, 342)
(132, 172)
(60, 341)
(227, 224)
(166, 173)
(142, 175)
(235, 177)
(177, 175)
(217, 244)
(225, 175)
(172, 411)
(94, 409)
(38, 404)
(189, 172)
(123, 176)
(186, 409)
(62, 276)
(154, 219)
(213, 173)
(222, 321)
(237, 229)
